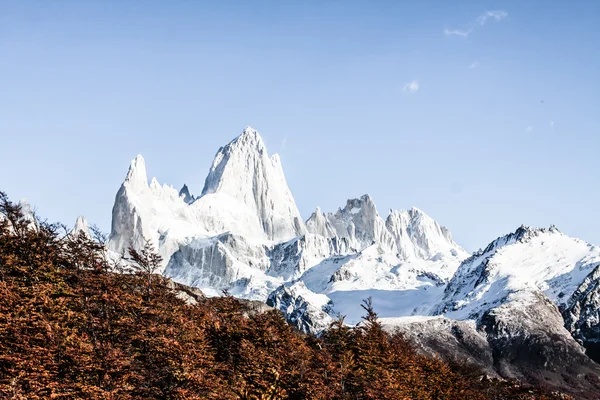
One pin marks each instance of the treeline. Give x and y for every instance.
(73, 327)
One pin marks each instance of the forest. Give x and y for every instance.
(75, 324)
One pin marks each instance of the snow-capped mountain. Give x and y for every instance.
(520, 308)
(513, 266)
(244, 234)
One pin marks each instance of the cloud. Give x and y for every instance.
(497, 15)
(411, 87)
(450, 32)
(480, 21)
(474, 64)
(552, 125)
(529, 129)
(282, 145)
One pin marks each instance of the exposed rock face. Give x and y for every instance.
(530, 343)
(244, 234)
(582, 315)
(291, 259)
(185, 194)
(318, 224)
(304, 309)
(525, 341)
(192, 295)
(128, 228)
(452, 340)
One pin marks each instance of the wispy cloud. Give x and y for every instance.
(457, 32)
(411, 87)
(474, 64)
(497, 15)
(282, 145)
(552, 125)
(529, 129)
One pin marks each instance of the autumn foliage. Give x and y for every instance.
(75, 325)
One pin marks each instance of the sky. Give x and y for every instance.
(483, 114)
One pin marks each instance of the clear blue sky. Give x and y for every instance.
(85, 86)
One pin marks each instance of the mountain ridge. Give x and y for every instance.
(244, 234)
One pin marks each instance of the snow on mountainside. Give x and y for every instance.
(244, 234)
(513, 266)
(245, 194)
(358, 222)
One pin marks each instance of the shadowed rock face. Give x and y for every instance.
(582, 316)
(216, 262)
(295, 303)
(530, 343)
(192, 295)
(454, 341)
(513, 341)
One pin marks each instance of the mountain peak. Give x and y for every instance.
(185, 194)
(250, 131)
(419, 235)
(136, 176)
(244, 171)
(248, 139)
(415, 210)
(365, 204)
(81, 225)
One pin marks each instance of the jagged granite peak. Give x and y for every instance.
(136, 176)
(318, 224)
(244, 171)
(417, 235)
(185, 193)
(361, 224)
(291, 259)
(126, 224)
(528, 260)
(81, 226)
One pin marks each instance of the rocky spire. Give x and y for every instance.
(244, 171)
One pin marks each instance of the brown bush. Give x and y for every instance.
(72, 326)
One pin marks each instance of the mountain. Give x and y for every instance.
(532, 296)
(244, 234)
(525, 261)
(525, 307)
